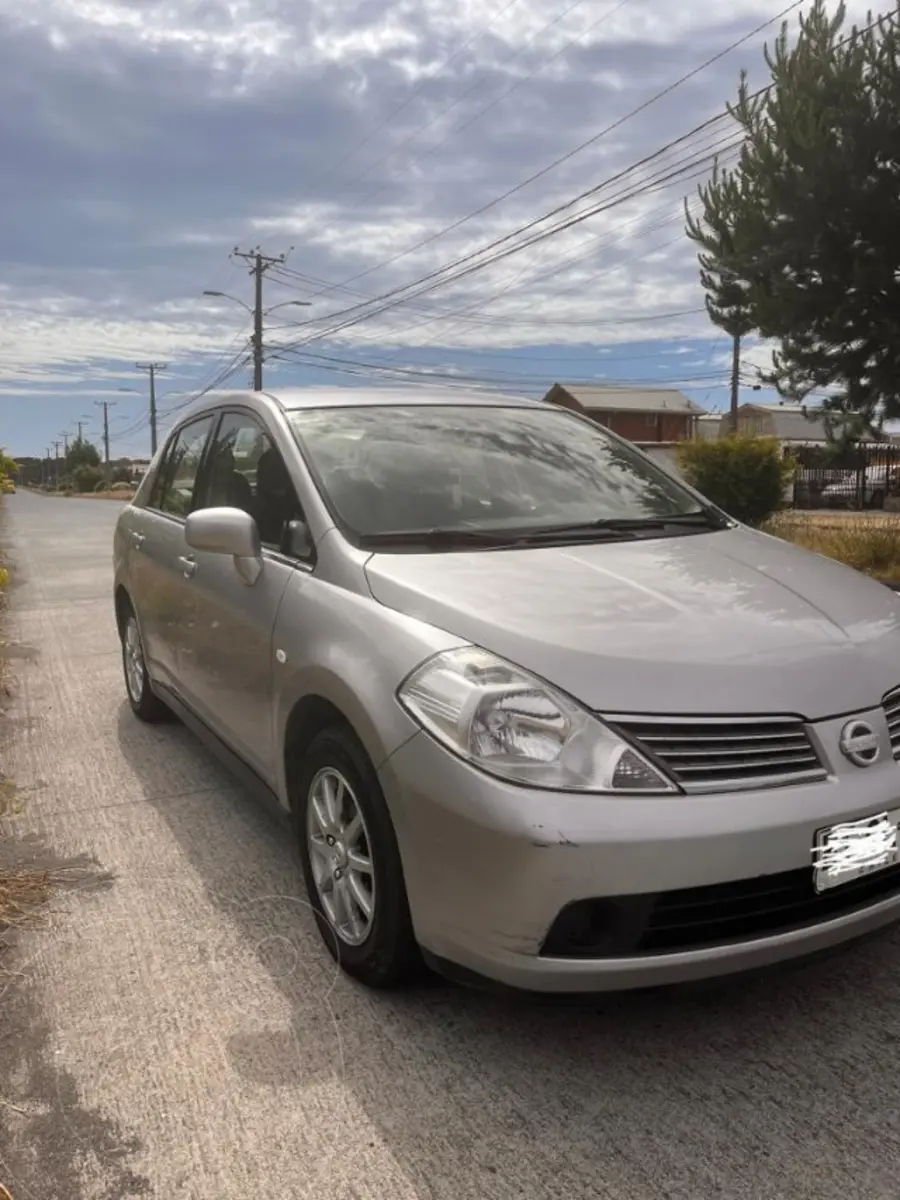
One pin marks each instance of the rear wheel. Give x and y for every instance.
(351, 863)
(145, 704)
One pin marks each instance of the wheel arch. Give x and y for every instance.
(123, 606)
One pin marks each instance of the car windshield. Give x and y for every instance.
(392, 470)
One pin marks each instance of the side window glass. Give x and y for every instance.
(178, 477)
(246, 471)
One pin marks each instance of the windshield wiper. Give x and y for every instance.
(437, 539)
(604, 528)
(696, 520)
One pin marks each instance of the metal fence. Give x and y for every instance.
(864, 476)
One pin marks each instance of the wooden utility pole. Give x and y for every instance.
(56, 463)
(260, 263)
(735, 381)
(151, 369)
(105, 405)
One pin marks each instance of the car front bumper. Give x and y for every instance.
(489, 868)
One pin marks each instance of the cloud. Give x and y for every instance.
(143, 139)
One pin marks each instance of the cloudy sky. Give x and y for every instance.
(380, 142)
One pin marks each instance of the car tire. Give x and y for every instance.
(145, 704)
(379, 949)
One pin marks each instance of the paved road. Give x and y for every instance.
(179, 1033)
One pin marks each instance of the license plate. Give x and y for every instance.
(854, 849)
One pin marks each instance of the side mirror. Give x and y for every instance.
(227, 531)
(298, 542)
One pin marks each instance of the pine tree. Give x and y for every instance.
(800, 241)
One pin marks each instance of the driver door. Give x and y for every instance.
(228, 661)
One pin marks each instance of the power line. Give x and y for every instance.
(503, 95)
(591, 141)
(444, 273)
(452, 273)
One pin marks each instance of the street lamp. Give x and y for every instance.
(258, 312)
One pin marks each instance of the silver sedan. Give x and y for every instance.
(537, 713)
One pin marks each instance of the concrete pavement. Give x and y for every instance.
(179, 1032)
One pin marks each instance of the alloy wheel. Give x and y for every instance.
(340, 856)
(134, 660)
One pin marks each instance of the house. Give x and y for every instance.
(643, 415)
(792, 424)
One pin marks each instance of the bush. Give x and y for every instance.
(102, 486)
(744, 476)
(86, 477)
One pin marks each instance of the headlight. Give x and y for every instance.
(513, 725)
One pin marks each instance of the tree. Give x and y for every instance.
(806, 227)
(8, 466)
(81, 453)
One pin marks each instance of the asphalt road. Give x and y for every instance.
(177, 1031)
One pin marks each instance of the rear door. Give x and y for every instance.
(160, 561)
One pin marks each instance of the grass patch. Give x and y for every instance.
(868, 543)
(21, 894)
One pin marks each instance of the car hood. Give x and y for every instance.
(726, 622)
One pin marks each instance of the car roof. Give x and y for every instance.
(298, 398)
(343, 397)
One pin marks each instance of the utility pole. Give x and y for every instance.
(260, 263)
(151, 369)
(735, 380)
(80, 425)
(56, 463)
(105, 405)
(65, 437)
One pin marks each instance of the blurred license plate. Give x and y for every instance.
(854, 849)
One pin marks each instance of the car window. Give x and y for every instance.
(478, 468)
(176, 482)
(246, 470)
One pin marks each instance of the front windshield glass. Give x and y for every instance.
(407, 469)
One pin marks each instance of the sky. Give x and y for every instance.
(382, 147)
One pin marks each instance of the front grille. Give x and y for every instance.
(728, 753)
(732, 912)
(721, 913)
(891, 704)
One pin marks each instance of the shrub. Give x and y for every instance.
(744, 476)
(102, 486)
(86, 477)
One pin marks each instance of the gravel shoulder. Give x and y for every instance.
(174, 1028)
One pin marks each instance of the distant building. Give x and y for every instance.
(643, 415)
(792, 424)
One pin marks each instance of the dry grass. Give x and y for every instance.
(22, 893)
(867, 542)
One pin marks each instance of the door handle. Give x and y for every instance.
(187, 565)
(137, 540)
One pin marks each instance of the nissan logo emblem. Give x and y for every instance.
(859, 743)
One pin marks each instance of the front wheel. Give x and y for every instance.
(145, 704)
(351, 863)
